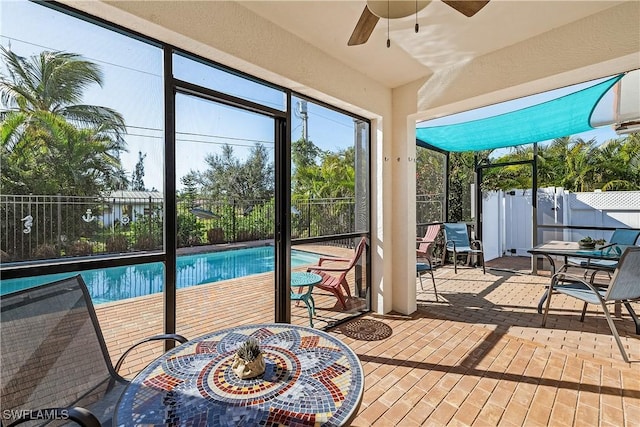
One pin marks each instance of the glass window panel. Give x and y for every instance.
(329, 172)
(82, 181)
(225, 183)
(89, 182)
(211, 77)
(430, 186)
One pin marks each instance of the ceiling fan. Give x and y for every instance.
(392, 9)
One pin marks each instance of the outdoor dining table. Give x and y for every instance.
(311, 378)
(558, 248)
(567, 250)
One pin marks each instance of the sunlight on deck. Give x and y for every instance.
(477, 357)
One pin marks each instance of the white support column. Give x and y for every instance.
(404, 198)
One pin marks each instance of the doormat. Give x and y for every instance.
(366, 330)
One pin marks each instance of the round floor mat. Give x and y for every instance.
(366, 330)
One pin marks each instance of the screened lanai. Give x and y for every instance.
(477, 358)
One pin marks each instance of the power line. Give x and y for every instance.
(230, 138)
(259, 101)
(86, 57)
(199, 140)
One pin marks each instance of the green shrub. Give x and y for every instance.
(146, 243)
(215, 235)
(117, 243)
(146, 230)
(80, 248)
(46, 251)
(189, 230)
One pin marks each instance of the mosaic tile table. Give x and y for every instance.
(311, 378)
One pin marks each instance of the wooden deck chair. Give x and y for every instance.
(334, 275)
(54, 356)
(624, 287)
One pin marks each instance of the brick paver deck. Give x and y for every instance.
(478, 357)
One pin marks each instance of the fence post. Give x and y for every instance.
(59, 221)
(309, 217)
(233, 221)
(150, 224)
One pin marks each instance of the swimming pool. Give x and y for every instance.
(117, 283)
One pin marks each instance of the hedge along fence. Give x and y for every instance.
(44, 227)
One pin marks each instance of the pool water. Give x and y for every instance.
(117, 283)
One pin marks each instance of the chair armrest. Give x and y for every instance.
(478, 242)
(78, 414)
(564, 277)
(332, 259)
(325, 268)
(162, 337)
(421, 240)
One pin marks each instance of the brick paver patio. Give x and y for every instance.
(478, 357)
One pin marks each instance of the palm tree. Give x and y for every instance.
(52, 82)
(44, 125)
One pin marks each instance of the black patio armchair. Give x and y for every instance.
(54, 361)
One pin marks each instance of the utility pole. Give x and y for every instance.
(302, 112)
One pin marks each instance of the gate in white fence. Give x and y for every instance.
(507, 217)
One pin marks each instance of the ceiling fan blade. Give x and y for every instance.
(364, 28)
(466, 7)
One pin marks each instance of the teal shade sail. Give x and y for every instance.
(564, 116)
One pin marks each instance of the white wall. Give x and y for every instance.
(493, 224)
(507, 218)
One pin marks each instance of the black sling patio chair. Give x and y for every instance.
(624, 287)
(54, 361)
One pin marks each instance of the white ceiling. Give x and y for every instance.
(446, 37)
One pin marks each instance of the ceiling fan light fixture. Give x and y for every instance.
(392, 9)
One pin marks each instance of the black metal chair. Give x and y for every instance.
(54, 361)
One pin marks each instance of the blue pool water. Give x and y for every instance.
(117, 283)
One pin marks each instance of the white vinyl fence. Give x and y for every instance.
(507, 217)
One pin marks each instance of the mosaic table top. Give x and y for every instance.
(311, 378)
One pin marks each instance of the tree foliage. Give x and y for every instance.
(318, 174)
(574, 164)
(229, 178)
(50, 142)
(137, 176)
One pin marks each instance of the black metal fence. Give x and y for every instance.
(53, 226)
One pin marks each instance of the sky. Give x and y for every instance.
(133, 86)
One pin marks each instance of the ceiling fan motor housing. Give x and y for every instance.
(393, 9)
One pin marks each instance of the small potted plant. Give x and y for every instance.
(248, 362)
(587, 243)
